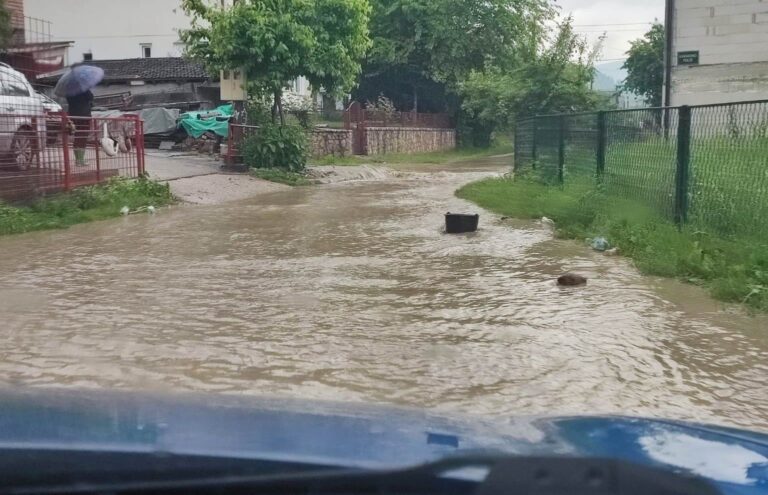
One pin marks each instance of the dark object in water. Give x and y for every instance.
(571, 280)
(457, 223)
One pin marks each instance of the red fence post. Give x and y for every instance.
(65, 148)
(96, 147)
(227, 156)
(37, 145)
(363, 138)
(140, 146)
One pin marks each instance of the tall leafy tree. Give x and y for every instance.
(645, 66)
(276, 41)
(557, 79)
(431, 46)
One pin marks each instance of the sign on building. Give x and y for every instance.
(688, 58)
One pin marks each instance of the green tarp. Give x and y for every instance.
(216, 121)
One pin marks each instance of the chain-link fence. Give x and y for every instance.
(705, 166)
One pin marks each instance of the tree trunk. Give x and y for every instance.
(279, 107)
(274, 111)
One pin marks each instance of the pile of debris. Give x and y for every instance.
(208, 143)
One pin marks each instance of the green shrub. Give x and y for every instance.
(275, 146)
(83, 205)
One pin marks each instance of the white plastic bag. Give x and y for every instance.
(108, 144)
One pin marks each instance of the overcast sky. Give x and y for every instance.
(622, 20)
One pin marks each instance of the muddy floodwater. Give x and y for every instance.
(352, 292)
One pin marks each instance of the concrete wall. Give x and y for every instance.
(381, 140)
(732, 39)
(719, 83)
(335, 142)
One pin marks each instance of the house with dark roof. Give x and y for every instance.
(149, 82)
(32, 49)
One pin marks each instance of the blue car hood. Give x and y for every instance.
(355, 435)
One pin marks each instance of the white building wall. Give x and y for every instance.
(113, 29)
(731, 37)
(117, 29)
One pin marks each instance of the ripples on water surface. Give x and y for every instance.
(350, 292)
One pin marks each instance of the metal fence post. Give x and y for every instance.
(96, 149)
(683, 164)
(65, 149)
(561, 149)
(600, 145)
(533, 143)
(139, 125)
(516, 156)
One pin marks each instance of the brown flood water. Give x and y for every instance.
(351, 292)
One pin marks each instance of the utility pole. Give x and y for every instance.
(669, 15)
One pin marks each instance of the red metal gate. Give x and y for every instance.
(52, 152)
(359, 139)
(354, 120)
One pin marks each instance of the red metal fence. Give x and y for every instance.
(47, 152)
(237, 133)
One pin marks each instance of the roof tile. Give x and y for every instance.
(147, 69)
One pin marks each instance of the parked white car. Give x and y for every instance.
(53, 123)
(22, 120)
(49, 104)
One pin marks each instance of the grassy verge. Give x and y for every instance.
(728, 184)
(734, 269)
(83, 205)
(435, 157)
(281, 176)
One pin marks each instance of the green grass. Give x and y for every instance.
(733, 269)
(281, 176)
(83, 205)
(344, 160)
(728, 187)
(434, 157)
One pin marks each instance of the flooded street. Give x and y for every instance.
(351, 292)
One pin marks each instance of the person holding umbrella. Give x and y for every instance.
(76, 86)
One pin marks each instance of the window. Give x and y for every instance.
(87, 57)
(146, 50)
(14, 87)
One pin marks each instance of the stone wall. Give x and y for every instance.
(335, 142)
(381, 140)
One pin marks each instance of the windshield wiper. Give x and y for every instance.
(505, 475)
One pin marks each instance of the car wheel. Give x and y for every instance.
(23, 149)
